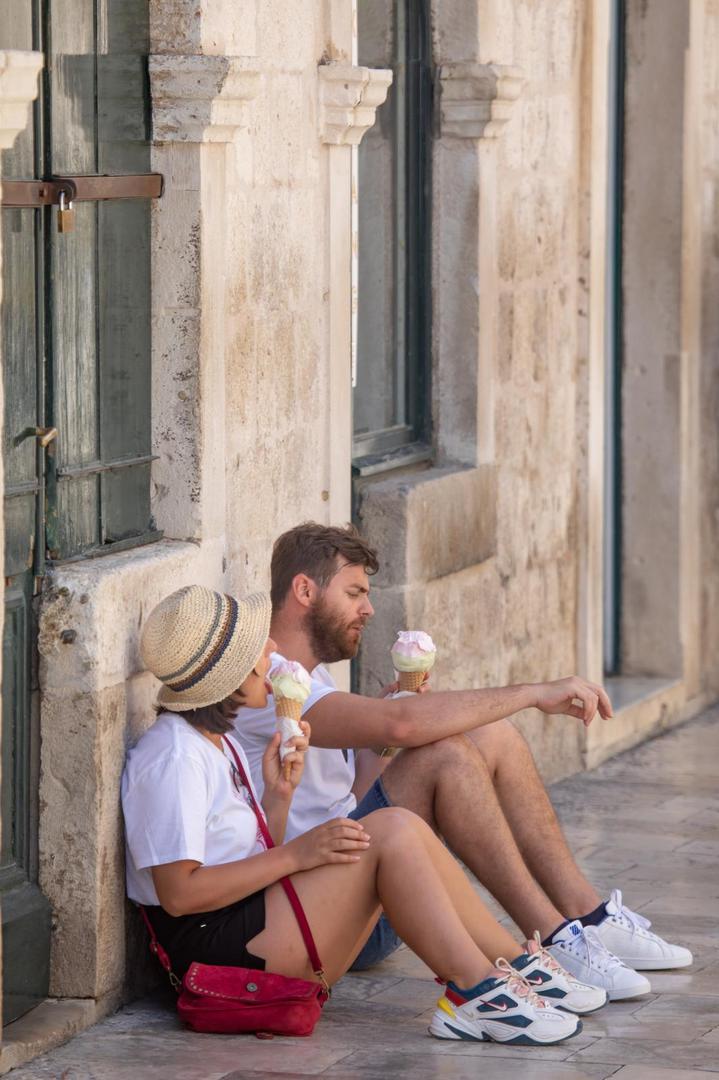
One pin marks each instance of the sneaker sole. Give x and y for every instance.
(627, 995)
(448, 1031)
(582, 1012)
(656, 965)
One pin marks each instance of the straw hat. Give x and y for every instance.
(202, 644)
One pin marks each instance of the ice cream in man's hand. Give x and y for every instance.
(291, 687)
(413, 655)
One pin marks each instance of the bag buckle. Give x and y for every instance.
(325, 985)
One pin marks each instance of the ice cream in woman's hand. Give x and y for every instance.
(291, 687)
(413, 654)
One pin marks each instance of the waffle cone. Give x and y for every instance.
(411, 680)
(288, 708)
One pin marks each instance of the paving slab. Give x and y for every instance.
(647, 822)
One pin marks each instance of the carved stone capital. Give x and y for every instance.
(200, 99)
(349, 99)
(18, 87)
(476, 100)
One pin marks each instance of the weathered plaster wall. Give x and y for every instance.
(277, 369)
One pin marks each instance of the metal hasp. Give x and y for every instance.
(37, 193)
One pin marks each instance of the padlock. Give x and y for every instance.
(65, 214)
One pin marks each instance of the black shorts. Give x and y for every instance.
(211, 937)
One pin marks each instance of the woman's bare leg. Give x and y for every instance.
(492, 938)
(342, 903)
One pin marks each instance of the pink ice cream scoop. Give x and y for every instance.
(413, 655)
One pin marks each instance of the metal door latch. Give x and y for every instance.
(46, 435)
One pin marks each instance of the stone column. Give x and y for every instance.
(592, 343)
(18, 88)
(349, 97)
(199, 107)
(474, 103)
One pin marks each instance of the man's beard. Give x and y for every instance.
(330, 636)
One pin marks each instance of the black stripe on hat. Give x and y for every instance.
(217, 653)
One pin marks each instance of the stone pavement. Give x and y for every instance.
(647, 822)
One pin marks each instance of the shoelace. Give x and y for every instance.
(632, 919)
(593, 950)
(546, 957)
(518, 985)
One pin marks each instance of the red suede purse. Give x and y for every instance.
(237, 1000)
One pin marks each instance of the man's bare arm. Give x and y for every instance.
(352, 720)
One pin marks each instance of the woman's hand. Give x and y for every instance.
(276, 787)
(338, 841)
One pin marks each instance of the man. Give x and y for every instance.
(463, 767)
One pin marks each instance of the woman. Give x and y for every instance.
(211, 889)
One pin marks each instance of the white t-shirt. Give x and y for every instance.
(180, 801)
(325, 790)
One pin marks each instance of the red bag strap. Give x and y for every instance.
(157, 949)
(287, 885)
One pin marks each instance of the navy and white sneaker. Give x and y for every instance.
(504, 1010)
(580, 951)
(549, 980)
(627, 935)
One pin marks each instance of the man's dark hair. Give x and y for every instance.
(313, 550)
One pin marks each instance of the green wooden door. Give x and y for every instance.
(76, 350)
(25, 911)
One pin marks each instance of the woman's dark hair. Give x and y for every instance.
(218, 719)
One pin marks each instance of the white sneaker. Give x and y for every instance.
(627, 935)
(550, 981)
(508, 1011)
(580, 951)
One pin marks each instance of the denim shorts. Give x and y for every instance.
(383, 941)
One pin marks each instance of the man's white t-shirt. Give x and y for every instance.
(325, 790)
(182, 799)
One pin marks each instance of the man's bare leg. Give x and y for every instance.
(532, 820)
(448, 783)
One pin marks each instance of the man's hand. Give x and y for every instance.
(573, 697)
(393, 687)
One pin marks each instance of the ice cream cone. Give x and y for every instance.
(410, 680)
(291, 687)
(413, 655)
(288, 708)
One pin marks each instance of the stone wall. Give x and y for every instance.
(495, 548)
(709, 386)
(497, 582)
(250, 343)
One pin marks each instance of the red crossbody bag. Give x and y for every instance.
(237, 1000)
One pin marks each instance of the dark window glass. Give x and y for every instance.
(390, 400)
